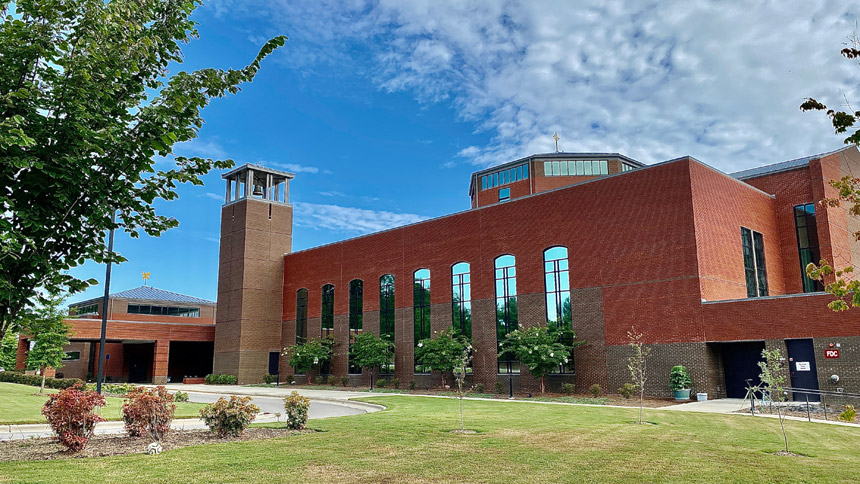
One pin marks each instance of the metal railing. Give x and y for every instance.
(805, 392)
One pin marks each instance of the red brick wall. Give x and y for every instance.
(119, 330)
(491, 195)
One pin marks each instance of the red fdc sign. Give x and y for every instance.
(831, 353)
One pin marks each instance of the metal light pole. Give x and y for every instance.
(104, 310)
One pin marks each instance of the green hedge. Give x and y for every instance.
(35, 380)
(220, 379)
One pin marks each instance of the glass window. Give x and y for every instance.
(461, 299)
(563, 167)
(301, 316)
(547, 168)
(587, 165)
(519, 172)
(421, 310)
(807, 244)
(386, 314)
(356, 316)
(604, 167)
(504, 194)
(580, 169)
(755, 271)
(483, 183)
(72, 356)
(495, 179)
(558, 310)
(525, 171)
(327, 316)
(506, 307)
(556, 169)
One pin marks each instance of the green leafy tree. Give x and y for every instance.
(48, 332)
(542, 349)
(637, 364)
(773, 378)
(460, 372)
(309, 355)
(86, 105)
(370, 351)
(8, 350)
(442, 353)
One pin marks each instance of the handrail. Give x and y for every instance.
(813, 391)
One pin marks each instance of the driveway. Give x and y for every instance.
(273, 405)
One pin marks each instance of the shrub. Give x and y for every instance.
(290, 379)
(70, 414)
(319, 380)
(679, 379)
(411, 385)
(479, 388)
(626, 390)
(568, 388)
(296, 407)
(595, 390)
(395, 382)
(220, 379)
(848, 414)
(381, 383)
(269, 379)
(500, 388)
(148, 412)
(229, 417)
(118, 388)
(35, 381)
(332, 380)
(180, 396)
(344, 380)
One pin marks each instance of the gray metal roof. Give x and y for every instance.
(259, 168)
(783, 166)
(152, 294)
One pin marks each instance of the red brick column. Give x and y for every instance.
(159, 361)
(21, 355)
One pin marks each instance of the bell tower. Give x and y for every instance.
(256, 232)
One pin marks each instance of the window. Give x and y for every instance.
(327, 316)
(495, 179)
(72, 356)
(483, 183)
(421, 310)
(525, 171)
(386, 314)
(301, 316)
(461, 299)
(506, 307)
(807, 244)
(604, 167)
(519, 173)
(557, 278)
(164, 310)
(626, 167)
(503, 177)
(356, 316)
(88, 310)
(504, 194)
(754, 265)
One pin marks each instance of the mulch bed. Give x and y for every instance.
(121, 444)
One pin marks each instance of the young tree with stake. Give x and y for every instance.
(637, 364)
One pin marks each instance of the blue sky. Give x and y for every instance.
(384, 108)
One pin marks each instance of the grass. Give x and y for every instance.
(515, 442)
(22, 404)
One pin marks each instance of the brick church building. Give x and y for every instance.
(707, 265)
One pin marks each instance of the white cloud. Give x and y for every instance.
(721, 81)
(293, 167)
(332, 194)
(349, 219)
(213, 196)
(201, 148)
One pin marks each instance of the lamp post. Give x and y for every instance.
(104, 309)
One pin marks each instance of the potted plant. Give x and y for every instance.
(680, 382)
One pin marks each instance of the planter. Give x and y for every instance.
(682, 395)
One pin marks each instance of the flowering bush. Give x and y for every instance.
(296, 407)
(229, 417)
(442, 353)
(70, 414)
(148, 412)
(541, 349)
(180, 396)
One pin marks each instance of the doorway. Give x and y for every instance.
(740, 363)
(801, 367)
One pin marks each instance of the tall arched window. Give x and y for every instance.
(461, 299)
(421, 309)
(506, 307)
(356, 317)
(301, 316)
(386, 314)
(327, 316)
(558, 310)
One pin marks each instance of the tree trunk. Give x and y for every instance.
(782, 426)
(42, 388)
(641, 398)
(542, 385)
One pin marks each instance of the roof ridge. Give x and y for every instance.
(784, 165)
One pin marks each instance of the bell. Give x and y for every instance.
(258, 191)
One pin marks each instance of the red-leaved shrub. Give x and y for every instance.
(148, 412)
(70, 414)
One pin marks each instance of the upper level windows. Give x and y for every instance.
(754, 265)
(461, 299)
(626, 167)
(356, 317)
(421, 310)
(807, 244)
(164, 310)
(504, 194)
(327, 315)
(87, 310)
(508, 175)
(506, 307)
(301, 316)
(576, 168)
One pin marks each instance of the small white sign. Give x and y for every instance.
(802, 365)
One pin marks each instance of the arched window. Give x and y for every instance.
(558, 310)
(506, 307)
(461, 299)
(301, 316)
(421, 309)
(386, 314)
(356, 316)
(327, 316)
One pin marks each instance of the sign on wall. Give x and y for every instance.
(831, 353)
(802, 366)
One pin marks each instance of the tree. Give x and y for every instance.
(441, 353)
(370, 351)
(309, 355)
(86, 104)
(542, 349)
(773, 378)
(49, 332)
(8, 351)
(460, 371)
(637, 364)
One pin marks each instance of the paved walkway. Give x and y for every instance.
(723, 405)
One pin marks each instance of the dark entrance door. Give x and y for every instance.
(274, 362)
(740, 361)
(801, 367)
(138, 361)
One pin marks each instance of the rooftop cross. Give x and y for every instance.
(555, 137)
(146, 277)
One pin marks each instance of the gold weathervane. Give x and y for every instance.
(146, 277)
(556, 138)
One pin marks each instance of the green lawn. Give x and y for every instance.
(516, 442)
(20, 404)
